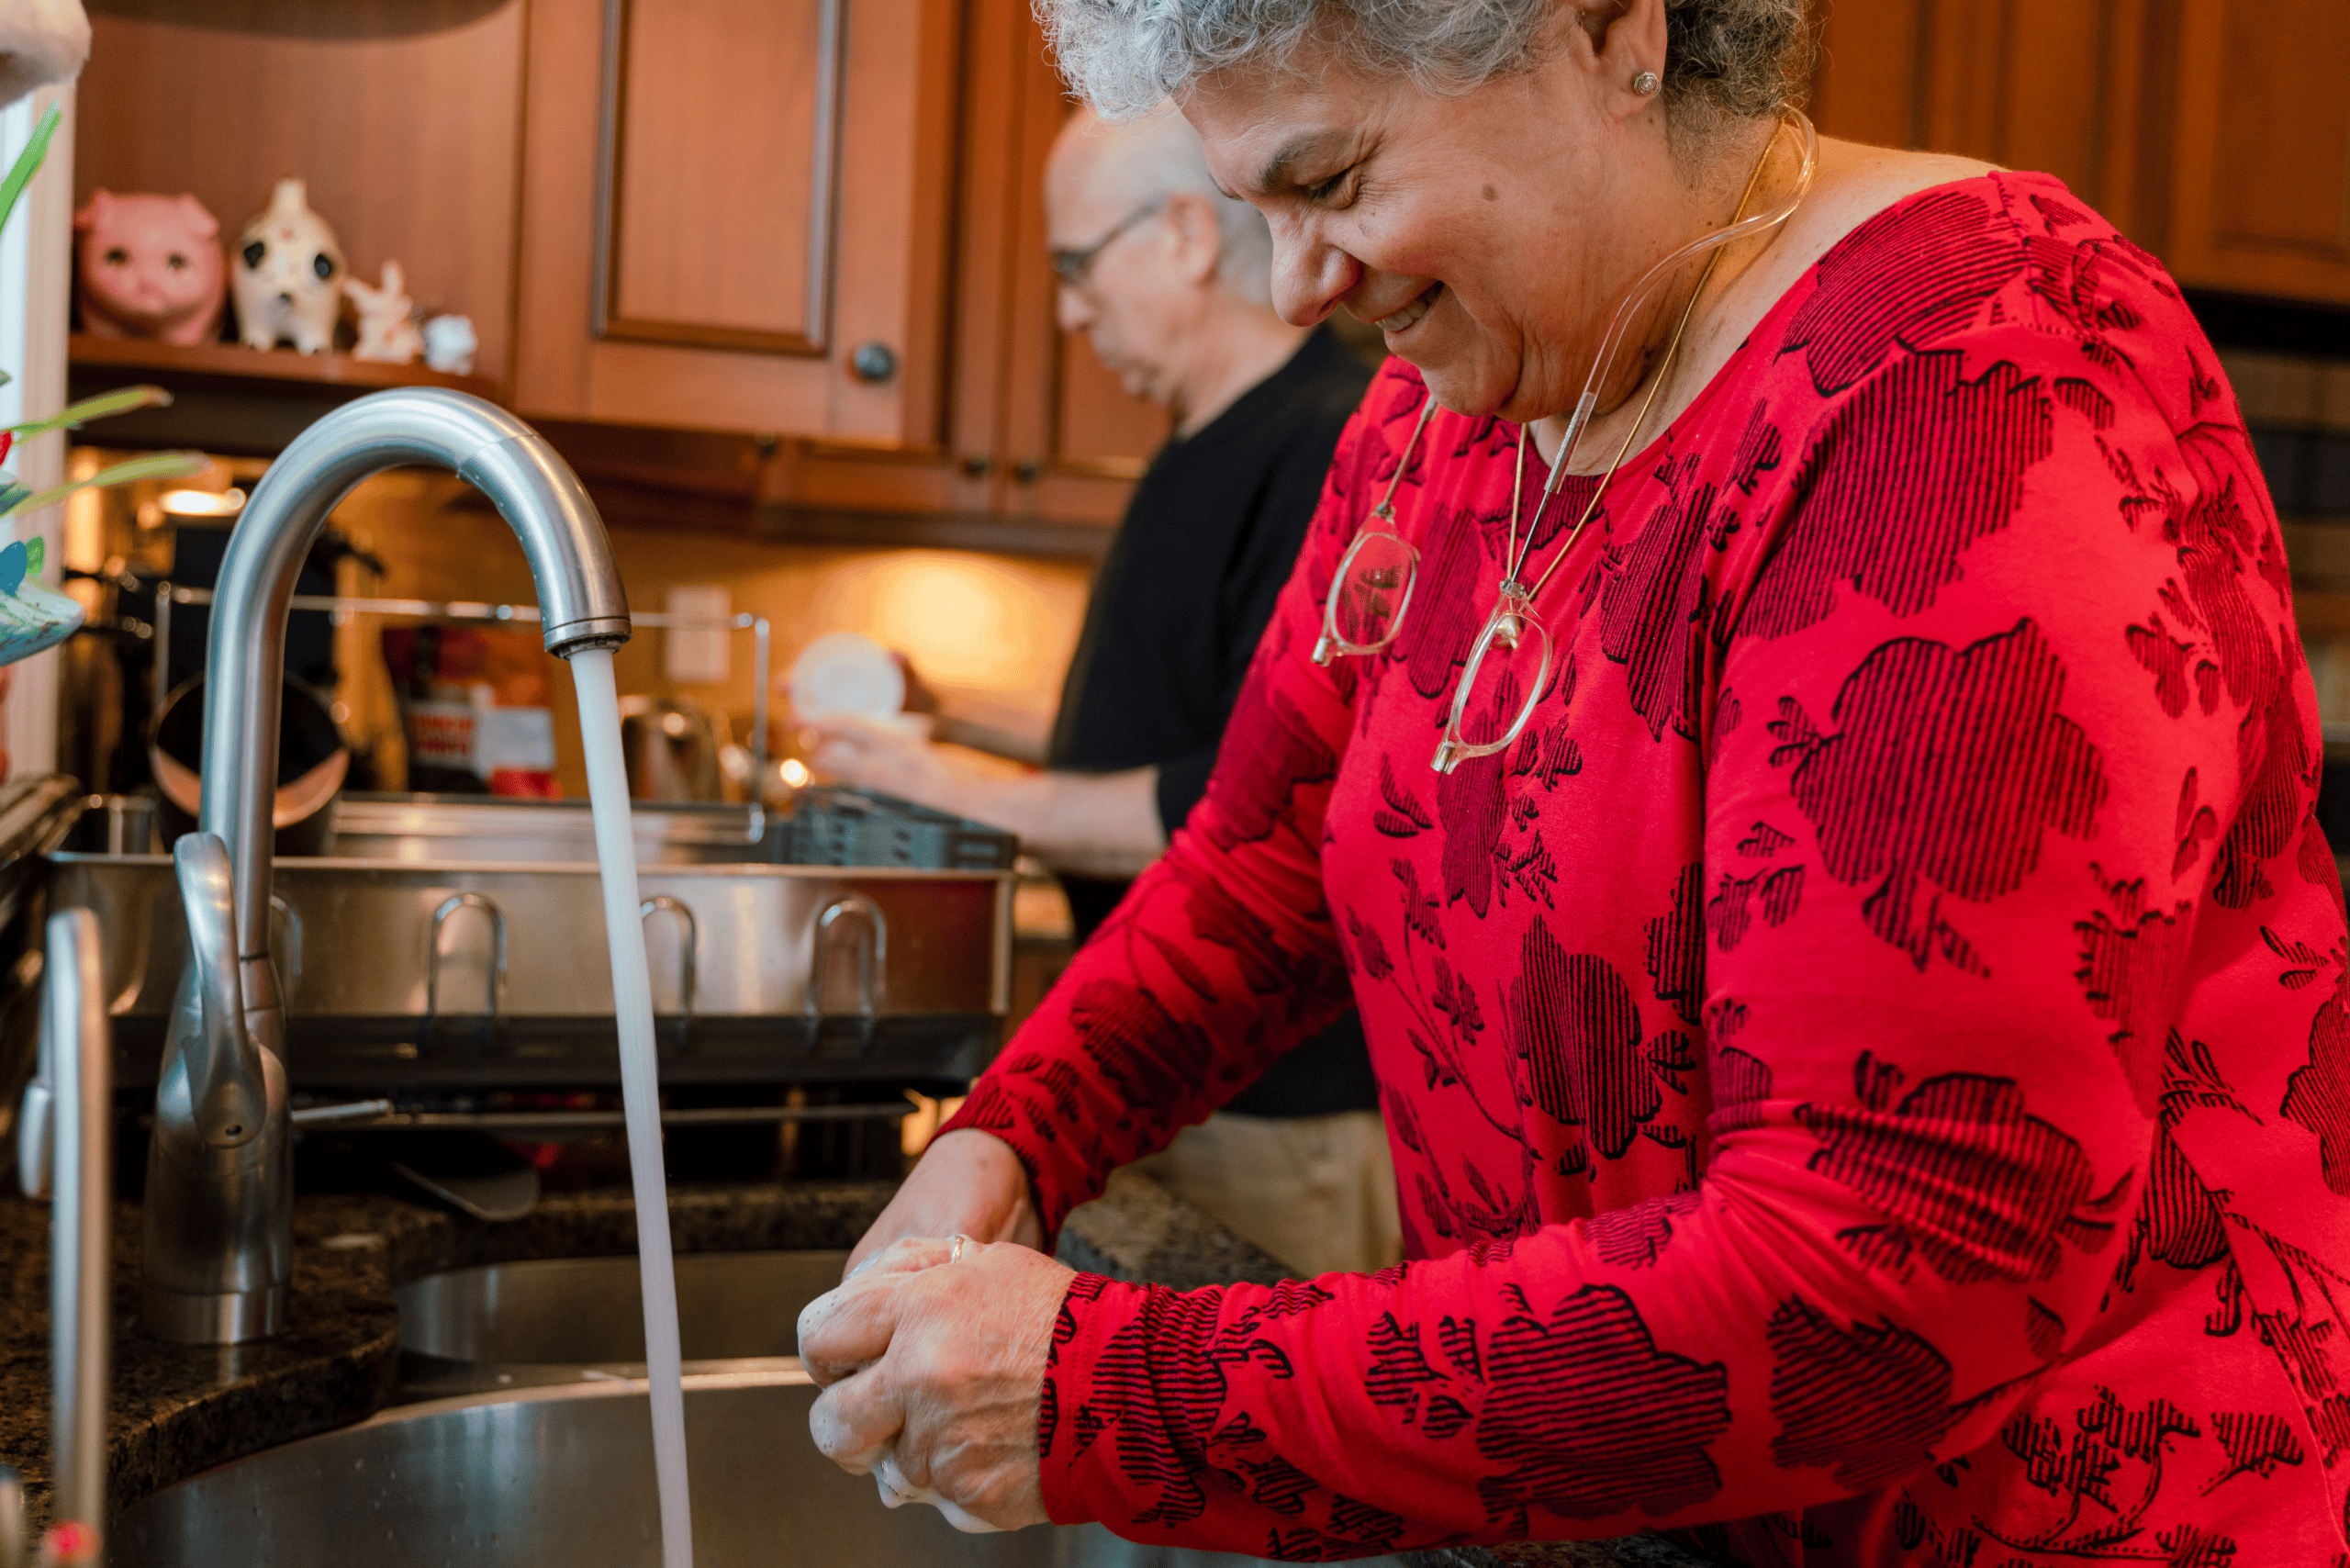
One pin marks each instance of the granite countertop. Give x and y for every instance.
(176, 1410)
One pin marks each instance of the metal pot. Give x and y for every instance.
(672, 748)
(312, 762)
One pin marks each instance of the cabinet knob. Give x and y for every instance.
(977, 465)
(873, 363)
(1027, 470)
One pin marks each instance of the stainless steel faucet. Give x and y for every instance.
(218, 1244)
(64, 1154)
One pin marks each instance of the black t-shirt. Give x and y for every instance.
(1178, 608)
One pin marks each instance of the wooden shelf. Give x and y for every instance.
(232, 400)
(166, 362)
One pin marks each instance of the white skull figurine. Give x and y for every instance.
(287, 275)
(386, 319)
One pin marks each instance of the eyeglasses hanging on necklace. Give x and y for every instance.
(1374, 585)
(1494, 698)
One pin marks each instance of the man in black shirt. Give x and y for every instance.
(1172, 281)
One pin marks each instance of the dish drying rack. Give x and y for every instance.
(341, 607)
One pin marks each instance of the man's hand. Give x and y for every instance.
(968, 1184)
(935, 1363)
(875, 757)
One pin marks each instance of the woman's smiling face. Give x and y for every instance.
(1488, 233)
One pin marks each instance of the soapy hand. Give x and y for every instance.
(968, 1184)
(931, 1357)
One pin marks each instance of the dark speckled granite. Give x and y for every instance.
(1138, 1230)
(177, 1410)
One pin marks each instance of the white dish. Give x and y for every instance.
(847, 674)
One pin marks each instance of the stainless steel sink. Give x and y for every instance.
(559, 1476)
(545, 1456)
(547, 1320)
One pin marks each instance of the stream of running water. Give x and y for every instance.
(600, 732)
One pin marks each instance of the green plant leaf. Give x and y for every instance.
(28, 162)
(12, 490)
(155, 466)
(104, 405)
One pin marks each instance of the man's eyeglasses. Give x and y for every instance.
(1072, 267)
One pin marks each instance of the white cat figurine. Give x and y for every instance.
(386, 319)
(287, 275)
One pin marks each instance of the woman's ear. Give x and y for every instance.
(1197, 229)
(1625, 38)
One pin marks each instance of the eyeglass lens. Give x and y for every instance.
(1508, 666)
(1374, 585)
(1073, 267)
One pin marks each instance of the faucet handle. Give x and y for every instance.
(226, 1088)
(35, 1135)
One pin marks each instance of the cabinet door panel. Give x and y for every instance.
(689, 288)
(1070, 425)
(2264, 153)
(719, 224)
(2276, 98)
(2059, 87)
(1864, 83)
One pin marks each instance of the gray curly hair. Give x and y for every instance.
(1737, 58)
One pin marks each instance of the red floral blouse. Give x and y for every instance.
(1868, 1070)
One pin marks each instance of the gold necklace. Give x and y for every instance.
(1656, 387)
(1512, 625)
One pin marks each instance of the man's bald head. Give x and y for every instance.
(1100, 172)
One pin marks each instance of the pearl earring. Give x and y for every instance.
(1646, 84)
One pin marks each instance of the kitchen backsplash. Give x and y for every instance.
(991, 633)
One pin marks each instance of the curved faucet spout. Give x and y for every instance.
(218, 1240)
(580, 598)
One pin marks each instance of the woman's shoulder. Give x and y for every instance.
(1901, 261)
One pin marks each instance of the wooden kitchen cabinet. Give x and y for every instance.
(675, 224)
(656, 292)
(2072, 88)
(734, 215)
(2263, 190)
(1074, 438)
(2214, 132)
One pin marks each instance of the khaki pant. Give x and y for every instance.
(1318, 1193)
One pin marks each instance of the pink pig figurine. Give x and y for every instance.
(151, 268)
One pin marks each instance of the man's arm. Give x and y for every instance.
(1099, 825)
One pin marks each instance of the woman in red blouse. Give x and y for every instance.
(1868, 1060)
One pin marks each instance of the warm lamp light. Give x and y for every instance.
(202, 503)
